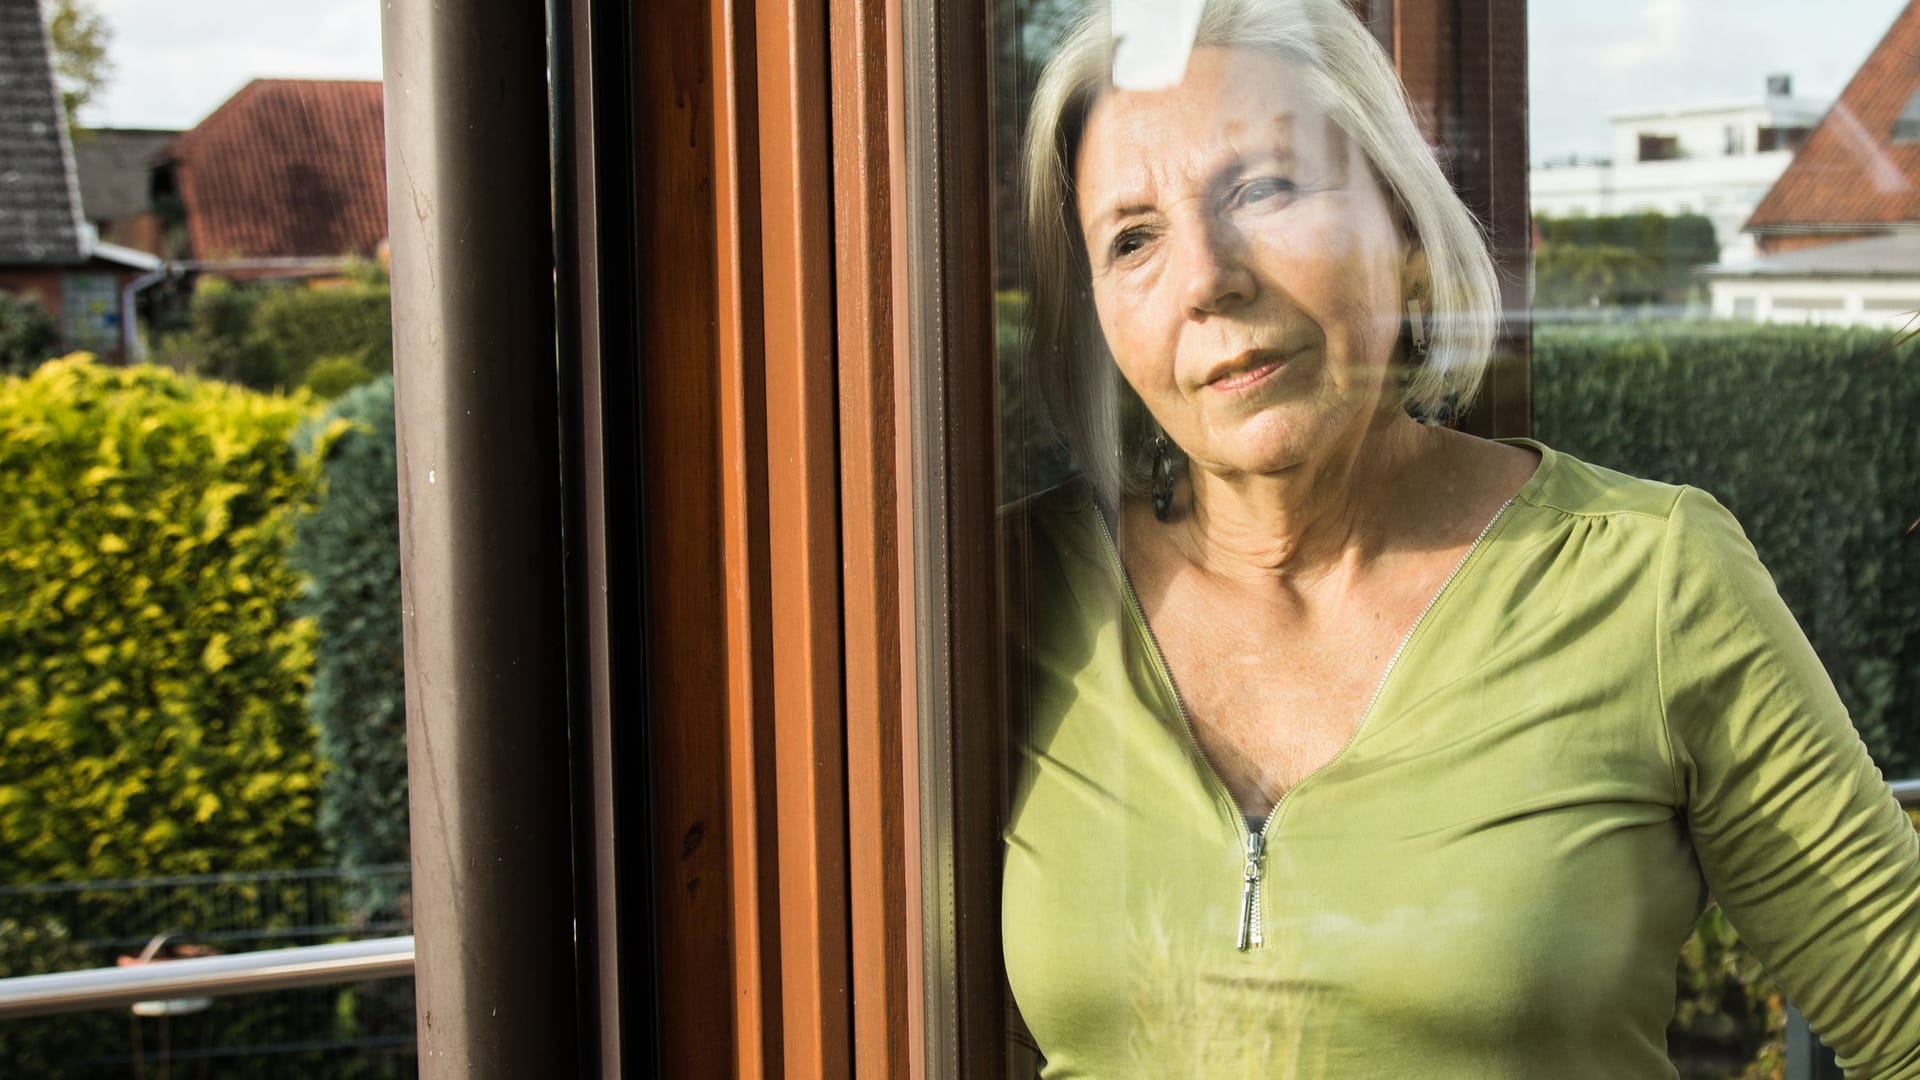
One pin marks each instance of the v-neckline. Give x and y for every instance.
(1143, 632)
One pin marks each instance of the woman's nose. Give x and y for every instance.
(1213, 273)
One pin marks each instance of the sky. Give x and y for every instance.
(1588, 59)
(177, 60)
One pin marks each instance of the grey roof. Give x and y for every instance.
(1893, 255)
(116, 168)
(39, 198)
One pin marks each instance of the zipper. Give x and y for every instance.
(1253, 870)
(1250, 935)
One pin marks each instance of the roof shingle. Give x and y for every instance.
(287, 167)
(115, 167)
(39, 202)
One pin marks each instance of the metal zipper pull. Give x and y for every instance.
(1250, 892)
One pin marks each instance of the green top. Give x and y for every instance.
(1606, 714)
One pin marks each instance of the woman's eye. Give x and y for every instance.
(1260, 190)
(1127, 243)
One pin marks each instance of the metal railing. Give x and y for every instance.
(207, 976)
(381, 958)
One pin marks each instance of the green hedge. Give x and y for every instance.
(350, 550)
(152, 683)
(299, 326)
(1809, 436)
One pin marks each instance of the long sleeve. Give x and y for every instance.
(1796, 831)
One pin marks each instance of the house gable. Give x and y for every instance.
(1858, 174)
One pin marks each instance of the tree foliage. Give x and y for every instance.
(269, 336)
(1621, 260)
(1569, 276)
(28, 333)
(152, 681)
(80, 62)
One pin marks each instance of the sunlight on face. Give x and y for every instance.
(1247, 268)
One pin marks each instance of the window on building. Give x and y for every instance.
(1659, 147)
(1906, 127)
(1783, 138)
(1897, 305)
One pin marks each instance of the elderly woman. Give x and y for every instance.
(1350, 745)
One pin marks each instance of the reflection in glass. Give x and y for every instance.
(1346, 744)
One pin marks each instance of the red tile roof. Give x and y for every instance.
(287, 167)
(1851, 172)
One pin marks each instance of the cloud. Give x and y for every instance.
(1659, 34)
(175, 63)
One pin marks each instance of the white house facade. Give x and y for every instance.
(1873, 283)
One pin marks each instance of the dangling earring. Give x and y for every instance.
(1162, 476)
(1417, 325)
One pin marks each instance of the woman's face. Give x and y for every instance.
(1247, 268)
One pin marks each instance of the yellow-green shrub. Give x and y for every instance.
(152, 683)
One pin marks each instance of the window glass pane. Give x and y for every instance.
(1346, 743)
(202, 746)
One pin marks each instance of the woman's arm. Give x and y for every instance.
(1796, 831)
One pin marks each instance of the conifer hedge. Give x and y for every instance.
(152, 683)
(349, 548)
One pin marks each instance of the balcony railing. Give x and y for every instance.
(207, 976)
(381, 958)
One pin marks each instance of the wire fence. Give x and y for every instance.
(353, 1031)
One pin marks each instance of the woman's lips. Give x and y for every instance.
(1248, 376)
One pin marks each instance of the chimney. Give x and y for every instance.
(1780, 85)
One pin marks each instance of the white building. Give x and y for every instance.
(1873, 282)
(1718, 160)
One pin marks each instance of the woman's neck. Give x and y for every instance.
(1304, 522)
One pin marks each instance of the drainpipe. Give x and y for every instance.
(129, 340)
(477, 408)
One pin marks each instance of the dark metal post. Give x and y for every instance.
(1807, 1057)
(479, 458)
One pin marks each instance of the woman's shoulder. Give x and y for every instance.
(1649, 524)
(1572, 486)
